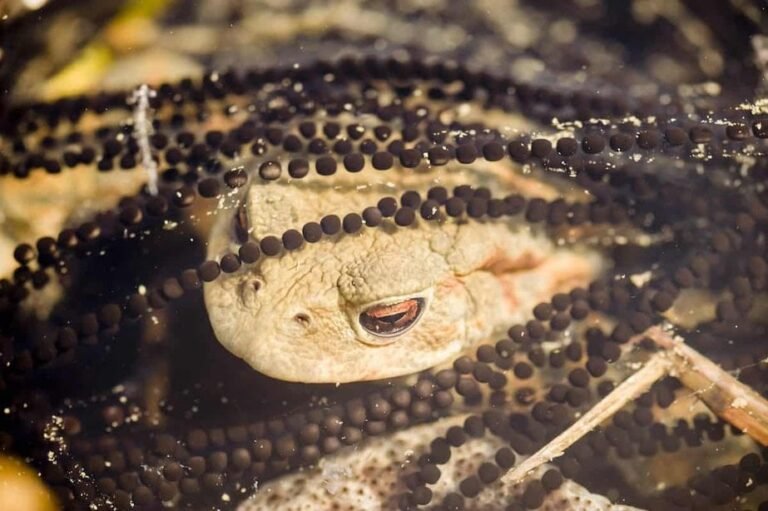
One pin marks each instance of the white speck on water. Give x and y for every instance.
(335, 475)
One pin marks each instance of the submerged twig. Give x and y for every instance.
(733, 401)
(726, 396)
(142, 128)
(632, 388)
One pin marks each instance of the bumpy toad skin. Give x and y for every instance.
(370, 477)
(297, 317)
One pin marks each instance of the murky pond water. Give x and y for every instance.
(384, 255)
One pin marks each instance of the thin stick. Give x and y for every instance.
(142, 128)
(726, 396)
(630, 389)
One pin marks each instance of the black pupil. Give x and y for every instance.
(392, 318)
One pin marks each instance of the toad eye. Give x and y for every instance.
(241, 225)
(389, 320)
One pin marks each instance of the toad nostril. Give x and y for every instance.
(256, 285)
(302, 319)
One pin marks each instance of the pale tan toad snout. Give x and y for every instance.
(305, 344)
(317, 336)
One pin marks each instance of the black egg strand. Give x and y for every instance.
(160, 466)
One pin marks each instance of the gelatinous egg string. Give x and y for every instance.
(524, 389)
